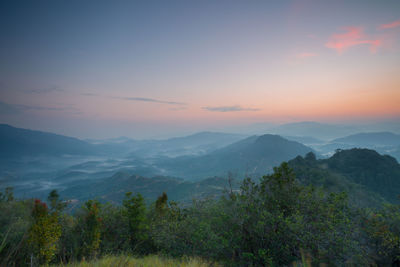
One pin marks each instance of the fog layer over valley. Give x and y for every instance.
(196, 166)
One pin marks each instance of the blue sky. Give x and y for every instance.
(110, 68)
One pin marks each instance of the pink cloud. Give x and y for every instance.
(391, 25)
(352, 37)
(305, 55)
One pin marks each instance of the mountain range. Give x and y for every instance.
(253, 156)
(370, 139)
(16, 142)
(369, 179)
(198, 165)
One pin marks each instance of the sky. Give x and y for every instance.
(142, 69)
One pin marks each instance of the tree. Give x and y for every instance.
(89, 228)
(55, 203)
(135, 211)
(383, 235)
(161, 204)
(45, 232)
(8, 195)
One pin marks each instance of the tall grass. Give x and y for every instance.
(148, 261)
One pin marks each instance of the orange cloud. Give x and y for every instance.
(352, 37)
(391, 25)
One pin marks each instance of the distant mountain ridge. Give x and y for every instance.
(255, 155)
(17, 142)
(314, 129)
(383, 142)
(195, 144)
(371, 139)
(320, 130)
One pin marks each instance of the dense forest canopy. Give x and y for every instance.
(272, 222)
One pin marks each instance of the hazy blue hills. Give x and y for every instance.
(306, 140)
(103, 168)
(383, 142)
(369, 178)
(253, 156)
(314, 129)
(16, 142)
(204, 138)
(114, 188)
(365, 174)
(195, 144)
(371, 139)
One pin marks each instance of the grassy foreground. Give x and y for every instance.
(148, 261)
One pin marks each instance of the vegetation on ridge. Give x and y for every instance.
(271, 223)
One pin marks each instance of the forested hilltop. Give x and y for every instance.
(277, 221)
(370, 179)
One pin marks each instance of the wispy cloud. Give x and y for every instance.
(235, 108)
(352, 37)
(44, 90)
(89, 94)
(141, 99)
(7, 108)
(305, 55)
(390, 25)
(178, 108)
(25, 107)
(152, 100)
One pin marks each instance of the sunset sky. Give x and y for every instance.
(110, 68)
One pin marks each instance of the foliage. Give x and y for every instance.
(89, 228)
(276, 221)
(56, 205)
(7, 196)
(44, 233)
(383, 228)
(15, 221)
(369, 178)
(334, 177)
(279, 218)
(135, 212)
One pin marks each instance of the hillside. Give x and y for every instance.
(370, 139)
(195, 144)
(314, 129)
(114, 188)
(253, 156)
(16, 142)
(366, 175)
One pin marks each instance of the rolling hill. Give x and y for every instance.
(370, 139)
(253, 156)
(114, 188)
(17, 142)
(367, 176)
